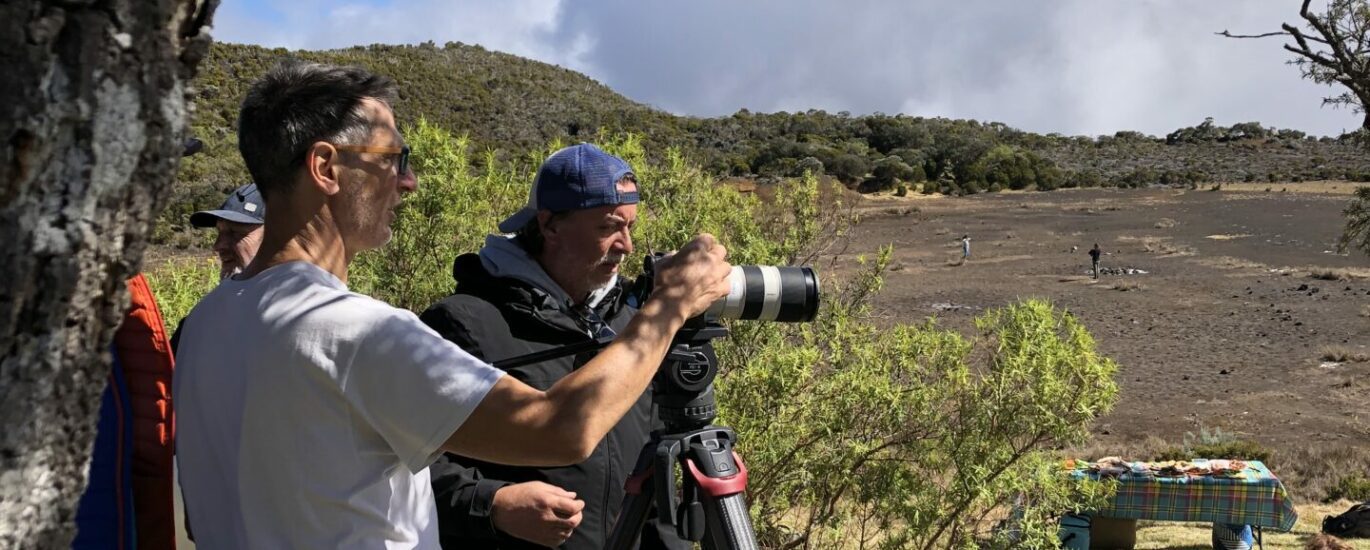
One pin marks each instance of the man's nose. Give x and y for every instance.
(223, 243)
(624, 245)
(408, 181)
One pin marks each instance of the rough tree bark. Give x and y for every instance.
(95, 102)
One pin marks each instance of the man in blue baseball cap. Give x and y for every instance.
(549, 280)
(239, 224)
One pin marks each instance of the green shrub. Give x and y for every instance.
(1215, 444)
(452, 211)
(1240, 450)
(1356, 234)
(178, 284)
(1353, 487)
(844, 423)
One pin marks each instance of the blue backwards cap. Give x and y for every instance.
(575, 178)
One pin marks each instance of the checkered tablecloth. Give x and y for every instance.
(1257, 498)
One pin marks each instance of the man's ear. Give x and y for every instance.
(322, 163)
(545, 222)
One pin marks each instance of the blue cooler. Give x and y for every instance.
(1075, 531)
(1232, 537)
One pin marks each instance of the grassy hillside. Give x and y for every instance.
(501, 101)
(514, 106)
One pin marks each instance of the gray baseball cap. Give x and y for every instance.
(243, 205)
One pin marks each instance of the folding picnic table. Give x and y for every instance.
(1255, 498)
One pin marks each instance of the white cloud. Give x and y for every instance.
(519, 27)
(1070, 66)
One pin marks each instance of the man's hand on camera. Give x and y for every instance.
(694, 277)
(537, 512)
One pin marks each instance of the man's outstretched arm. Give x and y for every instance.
(519, 425)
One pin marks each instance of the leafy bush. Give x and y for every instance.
(178, 284)
(452, 211)
(888, 172)
(1215, 444)
(845, 424)
(1352, 487)
(1356, 234)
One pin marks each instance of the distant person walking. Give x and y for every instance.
(1094, 254)
(965, 247)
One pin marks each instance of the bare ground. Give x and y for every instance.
(1227, 328)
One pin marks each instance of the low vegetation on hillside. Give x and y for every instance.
(512, 106)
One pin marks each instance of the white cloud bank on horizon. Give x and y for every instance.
(1068, 66)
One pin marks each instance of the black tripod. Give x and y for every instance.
(712, 508)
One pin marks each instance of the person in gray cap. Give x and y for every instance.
(550, 279)
(239, 223)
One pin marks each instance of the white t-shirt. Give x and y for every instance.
(308, 414)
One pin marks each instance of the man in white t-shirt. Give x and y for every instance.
(308, 414)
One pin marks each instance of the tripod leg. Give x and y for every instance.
(729, 526)
(637, 500)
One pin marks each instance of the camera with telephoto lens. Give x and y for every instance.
(757, 293)
(713, 477)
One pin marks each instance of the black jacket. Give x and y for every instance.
(497, 318)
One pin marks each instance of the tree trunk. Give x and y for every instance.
(95, 101)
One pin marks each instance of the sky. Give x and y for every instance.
(1075, 67)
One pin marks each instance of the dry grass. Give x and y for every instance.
(1337, 274)
(1176, 536)
(1166, 223)
(1133, 449)
(1158, 245)
(1316, 187)
(1127, 286)
(1229, 262)
(1311, 472)
(1343, 354)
